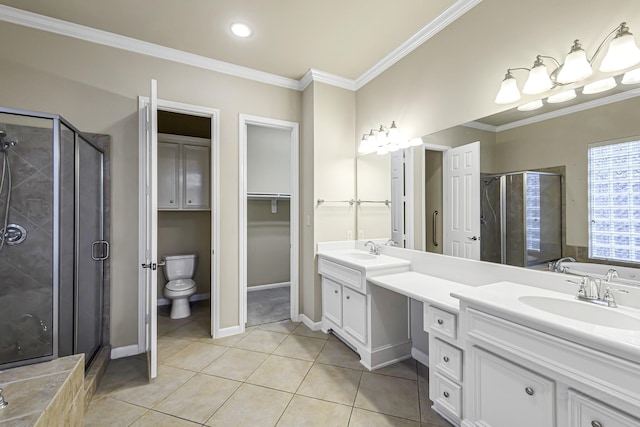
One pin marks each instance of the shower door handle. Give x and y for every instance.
(433, 238)
(104, 253)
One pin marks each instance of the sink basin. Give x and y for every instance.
(360, 255)
(583, 311)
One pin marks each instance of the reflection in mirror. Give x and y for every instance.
(373, 184)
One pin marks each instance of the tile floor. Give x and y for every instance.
(274, 374)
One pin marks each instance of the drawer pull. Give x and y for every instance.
(440, 321)
(335, 292)
(446, 394)
(348, 297)
(596, 424)
(529, 391)
(446, 359)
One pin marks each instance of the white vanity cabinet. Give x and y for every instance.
(372, 320)
(445, 362)
(518, 375)
(183, 173)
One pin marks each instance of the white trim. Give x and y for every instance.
(557, 113)
(142, 293)
(243, 121)
(409, 214)
(81, 32)
(447, 17)
(105, 38)
(227, 332)
(314, 326)
(182, 139)
(268, 286)
(125, 351)
(420, 356)
(192, 298)
(214, 115)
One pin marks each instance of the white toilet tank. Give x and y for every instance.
(179, 266)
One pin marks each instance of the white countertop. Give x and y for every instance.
(422, 287)
(344, 256)
(502, 299)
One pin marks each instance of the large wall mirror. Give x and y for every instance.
(543, 149)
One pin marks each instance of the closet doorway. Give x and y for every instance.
(268, 220)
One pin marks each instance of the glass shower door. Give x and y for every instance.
(91, 249)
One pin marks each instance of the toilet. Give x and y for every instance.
(179, 270)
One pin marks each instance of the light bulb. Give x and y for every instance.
(530, 106)
(631, 77)
(241, 30)
(567, 95)
(415, 142)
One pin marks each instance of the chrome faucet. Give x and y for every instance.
(3, 403)
(611, 274)
(557, 266)
(590, 291)
(374, 249)
(391, 242)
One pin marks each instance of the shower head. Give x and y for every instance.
(6, 143)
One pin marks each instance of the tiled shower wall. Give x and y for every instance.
(26, 269)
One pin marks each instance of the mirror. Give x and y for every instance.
(553, 141)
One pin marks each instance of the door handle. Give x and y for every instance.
(433, 238)
(152, 265)
(104, 253)
(474, 238)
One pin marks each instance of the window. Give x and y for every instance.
(614, 201)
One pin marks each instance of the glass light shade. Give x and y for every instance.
(365, 147)
(381, 151)
(530, 106)
(371, 138)
(508, 92)
(576, 66)
(404, 143)
(623, 53)
(392, 147)
(241, 30)
(538, 80)
(599, 86)
(393, 133)
(631, 77)
(567, 95)
(381, 139)
(415, 142)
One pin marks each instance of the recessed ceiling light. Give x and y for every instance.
(241, 30)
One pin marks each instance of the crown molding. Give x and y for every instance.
(81, 32)
(557, 113)
(93, 35)
(452, 13)
(323, 77)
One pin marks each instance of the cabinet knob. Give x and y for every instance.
(440, 321)
(445, 394)
(529, 391)
(335, 292)
(189, 201)
(348, 297)
(596, 424)
(446, 359)
(170, 201)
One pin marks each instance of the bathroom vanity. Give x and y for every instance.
(502, 352)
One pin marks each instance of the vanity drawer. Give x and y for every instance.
(586, 412)
(442, 321)
(448, 395)
(448, 359)
(344, 275)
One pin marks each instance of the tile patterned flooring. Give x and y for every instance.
(276, 374)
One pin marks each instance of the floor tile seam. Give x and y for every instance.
(308, 370)
(419, 421)
(175, 416)
(384, 413)
(392, 376)
(339, 366)
(298, 393)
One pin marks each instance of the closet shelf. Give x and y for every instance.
(268, 196)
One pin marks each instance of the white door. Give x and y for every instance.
(397, 198)
(461, 220)
(149, 229)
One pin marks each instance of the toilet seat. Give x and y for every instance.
(180, 285)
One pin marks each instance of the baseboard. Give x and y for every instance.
(126, 351)
(420, 356)
(314, 326)
(268, 286)
(227, 332)
(192, 298)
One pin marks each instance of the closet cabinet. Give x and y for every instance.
(183, 175)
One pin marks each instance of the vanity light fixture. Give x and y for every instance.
(383, 141)
(599, 86)
(631, 77)
(622, 53)
(530, 106)
(567, 95)
(241, 30)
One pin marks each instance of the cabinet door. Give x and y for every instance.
(332, 301)
(354, 314)
(508, 395)
(168, 175)
(195, 176)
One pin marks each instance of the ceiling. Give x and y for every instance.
(345, 38)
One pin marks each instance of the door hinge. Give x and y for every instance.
(146, 319)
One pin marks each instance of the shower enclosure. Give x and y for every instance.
(521, 218)
(52, 242)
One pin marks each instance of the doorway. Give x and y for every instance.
(268, 220)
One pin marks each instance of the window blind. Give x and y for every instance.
(614, 201)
